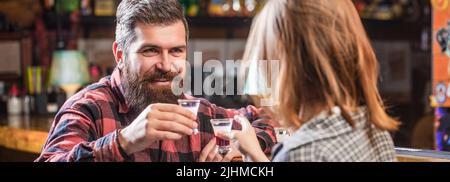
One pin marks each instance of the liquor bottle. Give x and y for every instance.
(185, 4)
(104, 8)
(67, 5)
(236, 8)
(250, 8)
(14, 102)
(218, 7)
(86, 7)
(3, 98)
(193, 9)
(49, 4)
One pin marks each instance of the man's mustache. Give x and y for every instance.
(157, 76)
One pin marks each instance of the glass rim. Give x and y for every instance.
(222, 120)
(188, 100)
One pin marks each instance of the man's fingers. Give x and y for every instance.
(176, 118)
(173, 127)
(173, 116)
(165, 135)
(172, 108)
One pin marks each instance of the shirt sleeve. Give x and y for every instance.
(73, 138)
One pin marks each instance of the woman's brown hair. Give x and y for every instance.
(325, 56)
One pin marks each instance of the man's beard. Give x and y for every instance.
(138, 94)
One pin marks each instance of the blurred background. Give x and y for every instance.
(41, 39)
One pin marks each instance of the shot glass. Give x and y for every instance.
(191, 105)
(224, 126)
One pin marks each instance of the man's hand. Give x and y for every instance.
(209, 153)
(157, 122)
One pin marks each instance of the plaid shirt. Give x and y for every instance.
(86, 128)
(329, 138)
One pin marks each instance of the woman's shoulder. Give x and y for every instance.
(333, 139)
(305, 153)
(344, 148)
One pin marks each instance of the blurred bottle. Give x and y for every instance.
(67, 5)
(236, 8)
(397, 9)
(95, 73)
(26, 104)
(193, 8)
(425, 39)
(105, 7)
(218, 7)
(203, 7)
(250, 7)
(49, 4)
(185, 4)
(56, 98)
(385, 12)
(3, 99)
(86, 7)
(14, 102)
(360, 6)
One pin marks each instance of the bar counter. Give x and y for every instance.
(24, 133)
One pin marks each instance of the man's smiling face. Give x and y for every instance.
(153, 60)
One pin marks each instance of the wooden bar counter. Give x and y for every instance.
(24, 133)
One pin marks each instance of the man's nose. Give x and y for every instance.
(165, 64)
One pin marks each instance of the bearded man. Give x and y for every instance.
(133, 115)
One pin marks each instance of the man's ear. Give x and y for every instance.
(118, 53)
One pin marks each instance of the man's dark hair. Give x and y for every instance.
(156, 12)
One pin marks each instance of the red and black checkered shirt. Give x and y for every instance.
(86, 128)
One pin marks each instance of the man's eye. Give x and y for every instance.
(150, 52)
(176, 52)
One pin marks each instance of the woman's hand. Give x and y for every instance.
(209, 153)
(245, 140)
